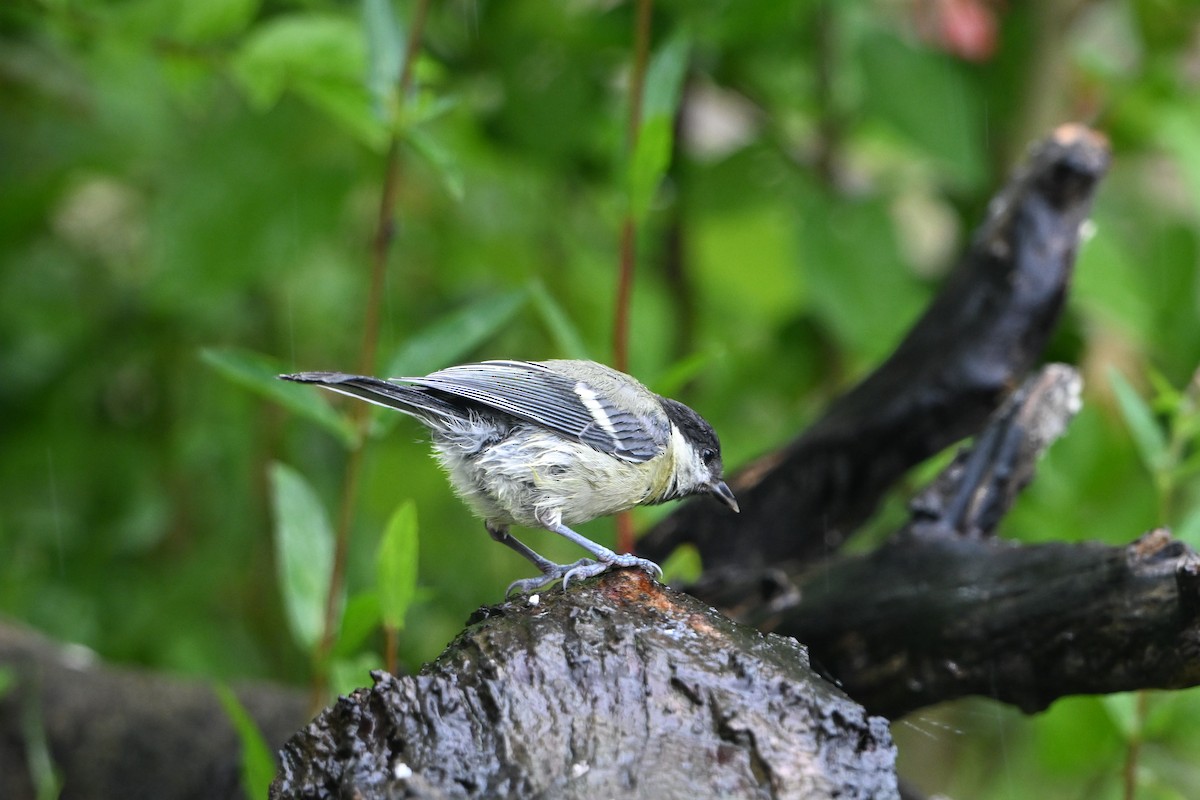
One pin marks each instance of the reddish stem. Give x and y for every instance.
(381, 245)
(628, 252)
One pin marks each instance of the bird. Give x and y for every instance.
(550, 444)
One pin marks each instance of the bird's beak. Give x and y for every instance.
(721, 490)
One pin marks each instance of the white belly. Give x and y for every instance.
(536, 479)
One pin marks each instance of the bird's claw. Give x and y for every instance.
(582, 569)
(553, 573)
(644, 564)
(596, 568)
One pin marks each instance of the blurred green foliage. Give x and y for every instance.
(183, 178)
(258, 762)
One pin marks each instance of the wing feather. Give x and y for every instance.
(536, 393)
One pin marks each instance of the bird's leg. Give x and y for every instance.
(550, 571)
(605, 559)
(500, 534)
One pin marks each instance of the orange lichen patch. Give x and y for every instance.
(634, 586)
(702, 625)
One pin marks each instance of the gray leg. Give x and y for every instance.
(550, 571)
(605, 559)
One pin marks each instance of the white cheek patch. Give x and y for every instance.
(688, 466)
(596, 409)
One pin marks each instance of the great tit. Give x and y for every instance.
(547, 444)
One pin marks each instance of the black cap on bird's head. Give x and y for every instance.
(704, 441)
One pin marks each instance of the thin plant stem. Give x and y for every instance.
(628, 248)
(381, 245)
(391, 639)
(829, 121)
(627, 265)
(1133, 748)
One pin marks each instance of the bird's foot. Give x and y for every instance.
(585, 571)
(582, 569)
(550, 574)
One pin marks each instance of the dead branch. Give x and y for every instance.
(966, 354)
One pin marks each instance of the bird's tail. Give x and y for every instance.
(412, 400)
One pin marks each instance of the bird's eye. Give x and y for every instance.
(707, 455)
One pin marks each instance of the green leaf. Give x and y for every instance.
(664, 78)
(440, 158)
(303, 553)
(651, 157)
(1176, 130)
(347, 107)
(450, 338)
(681, 372)
(1186, 469)
(297, 48)
(683, 566)
(258, 764)
(895, 73)
(260, 373)
(396, 565)
(359, 620)
(1122, 710)
(47, 778)
(722, 239)
(1167, 399)
(423, 107)
(1185, 424)
(857, 283)
(567, 338)
(1188, 530)
(321, 57)
(1149, 438)
(385, 58)
(656, 133)
(213, 20)
(348, 674)
(8, 679)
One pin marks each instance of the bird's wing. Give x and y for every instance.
(408, 399)
(536, 393)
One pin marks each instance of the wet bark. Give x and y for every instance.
(949, 617)
(944, 609)
(618, 688)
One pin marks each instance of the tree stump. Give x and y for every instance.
(619, 687)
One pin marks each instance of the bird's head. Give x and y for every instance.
(698, 467)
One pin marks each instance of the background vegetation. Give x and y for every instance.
(183, 183)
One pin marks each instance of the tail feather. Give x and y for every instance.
(412, 400)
